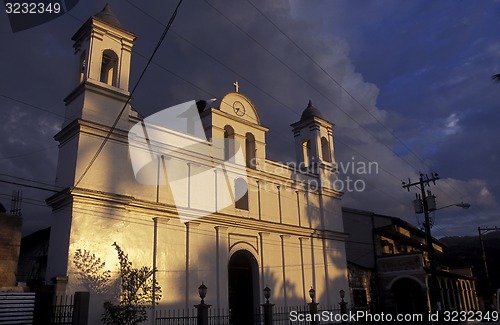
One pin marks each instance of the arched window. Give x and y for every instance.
(250, 150)
(82, 66)
(306, 149)
(241, 194)
(325, 150)
(109, 68)
(228, 143)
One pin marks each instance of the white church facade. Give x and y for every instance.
(226, 215)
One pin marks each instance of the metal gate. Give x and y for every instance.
(17, 308)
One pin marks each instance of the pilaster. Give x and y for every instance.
(222, 260)
(192, 261)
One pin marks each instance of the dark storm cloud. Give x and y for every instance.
(428, 64)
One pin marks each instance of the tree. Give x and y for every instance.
(496, 77)
(91, 271)
(136, 287)
(136, 293)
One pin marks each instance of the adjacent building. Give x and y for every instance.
(32, 263)
(389, 267)
(10, 240)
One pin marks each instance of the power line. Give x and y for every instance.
(29, 180)
(105, 214)
(326, 97)
(28, 153)
(247, 80)
(334, 80)
(220, 62)
(205, 52)
(303, 79)
(250, 82)
(258, 88)
(30, 186)
(159, 151)
(32, 106)
(151, 150)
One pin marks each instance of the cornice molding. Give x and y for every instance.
(152, 209)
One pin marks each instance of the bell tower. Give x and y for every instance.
(103, 55)
(101, 80)
(313, 140)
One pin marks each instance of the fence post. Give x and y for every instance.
(202, 313)
(202, 306)
(81, 308)
(313, 306)
(268, 313)
(43, 307)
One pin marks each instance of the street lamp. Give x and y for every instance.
(202, 307)
(268, 308)
(267, 294)
(312, 294)
(202, 290)
(463, 205)
(460, 205)
(342, 304)
(313, 306)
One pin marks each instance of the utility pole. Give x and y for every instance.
(17, 199)
(429, 204)
(488, 282)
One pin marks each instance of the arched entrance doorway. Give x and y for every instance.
(243, 274)
(409, 297)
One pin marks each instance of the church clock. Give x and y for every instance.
(239, 108)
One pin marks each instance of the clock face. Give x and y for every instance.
(238, 108)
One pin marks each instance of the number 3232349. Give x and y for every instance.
(32, 8)
(470, 316)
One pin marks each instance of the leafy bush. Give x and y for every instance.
(136, 286)
(136, 293)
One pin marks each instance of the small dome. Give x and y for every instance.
(107, 16)
(310, 112)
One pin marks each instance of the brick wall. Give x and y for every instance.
(10, 242)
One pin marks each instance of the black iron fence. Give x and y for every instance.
(302, 315)
(216, 316)
(42, 308)
(62, 311)
(296, 315)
